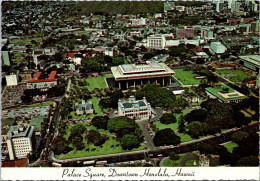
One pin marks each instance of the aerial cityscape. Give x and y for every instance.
(130, 84)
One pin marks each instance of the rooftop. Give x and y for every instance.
(229, 95)
(137, 68)
(254, 59)
(133, 103)
(20, 131)
(133, 71)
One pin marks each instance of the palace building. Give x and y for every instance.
(136, 74)
(139, 109)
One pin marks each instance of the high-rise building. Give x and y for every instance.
(185, 32)
(217, 6)
(20, 141)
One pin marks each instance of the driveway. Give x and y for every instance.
(146, 134)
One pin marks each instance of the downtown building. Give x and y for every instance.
(185, 32)
(43, 84)
(20, 141)
(161, 41)
(135, 109)
(137, 74)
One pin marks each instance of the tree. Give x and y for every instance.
(239, 136)
(173, 156)
(216, 109)
(228, 122)
(77, 131)
(229, 159)
(115, 95)
(181, 103)
(104, 103)
(129, 141)
(60, 145)
(240, 118)
(168, 119)
(124, 125)
(77, 142)
(206, 149)
(118, 61)
(93, 136)
(196, 129)
(100, 122)
(156, 95)
(214, 126)
(248, 161)
(166, 137)
(181, 124)
(196, 115)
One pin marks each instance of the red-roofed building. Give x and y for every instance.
(43, 84)
(16, 163)
(68, 55)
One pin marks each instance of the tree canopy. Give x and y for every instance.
(166, 137)
(168, 119)
(216, 109)
(93, 136)
(100, 122)
(129, 141)
(196, 115)
(157, 96)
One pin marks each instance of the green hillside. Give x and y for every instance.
(120, 7)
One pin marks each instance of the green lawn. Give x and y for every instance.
(97, 82)
(186, 77)
(191, 162)
(169, 163)
(41, 104)
(235, 75)
(109, 147)
(230, 146)
(27, 41)
(37, 123)
(18, 57)
(174, 126)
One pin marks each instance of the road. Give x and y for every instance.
(165, 151)
(146, 134)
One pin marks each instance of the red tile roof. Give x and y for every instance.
(50, 78)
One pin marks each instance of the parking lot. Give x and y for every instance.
(29, 112)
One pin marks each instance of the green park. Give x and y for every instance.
(186, 77)
(234, 75)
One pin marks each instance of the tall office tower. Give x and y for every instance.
(20, 141)
(217, 6)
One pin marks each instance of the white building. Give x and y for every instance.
(109, 52)
(139, 22)
(139, 109)
(11, 80)
(20, 141)
(161, 41)
(217, 48)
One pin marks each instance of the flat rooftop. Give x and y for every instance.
(230, 95)
(134, 71)
(254, 59)
(139, 68)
